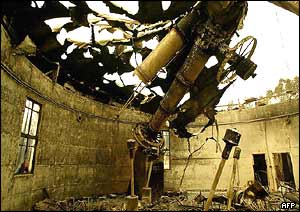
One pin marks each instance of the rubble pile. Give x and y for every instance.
(173, 201)
(256, 198)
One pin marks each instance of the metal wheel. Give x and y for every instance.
(228, 74)
(143, 140)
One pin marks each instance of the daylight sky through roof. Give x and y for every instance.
(276, 54)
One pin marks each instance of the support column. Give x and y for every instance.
(147, 191)
(132, 200)
(236, 157)
(231, 138)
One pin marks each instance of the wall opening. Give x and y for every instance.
(166, 137)
(284, 169)
(260, 169)
(29, 137)
(157, 180)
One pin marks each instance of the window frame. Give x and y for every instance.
(169, 148)
(27, 136)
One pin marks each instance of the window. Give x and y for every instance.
(166, 137)
(28, 139)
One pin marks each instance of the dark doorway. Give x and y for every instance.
(157, 180)
(139, 172)
(260, 169)
(140, 176)
(284, 169)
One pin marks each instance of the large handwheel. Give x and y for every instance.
(227, 75)
(143, 140)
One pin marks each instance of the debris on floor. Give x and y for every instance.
(111, 202)
(256, 198)
(253, 198)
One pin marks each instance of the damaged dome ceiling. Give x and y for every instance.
(95, 45)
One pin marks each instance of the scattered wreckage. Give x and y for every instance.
(205, 31)
(252, 198)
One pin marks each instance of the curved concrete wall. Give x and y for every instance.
(265, 130)
(90, 157)
(73, 158)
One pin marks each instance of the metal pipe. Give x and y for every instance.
(231, 138)
(146, 168)
(214, 185)
(149, 173)
(131, 147)
(185, 78)
(236, 157)
(160, 56)
(167, 48)
(132, 177)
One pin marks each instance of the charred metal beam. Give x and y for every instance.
(189, 71)
(151, 11)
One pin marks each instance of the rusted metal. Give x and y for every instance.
(240, 61)
(209, 37)
(185, 25)
(208, 34)
(189, 71)
(237, 153)
(151, 144)
(231, 138)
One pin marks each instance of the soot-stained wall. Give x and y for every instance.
(75, 157)
(264, 130)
